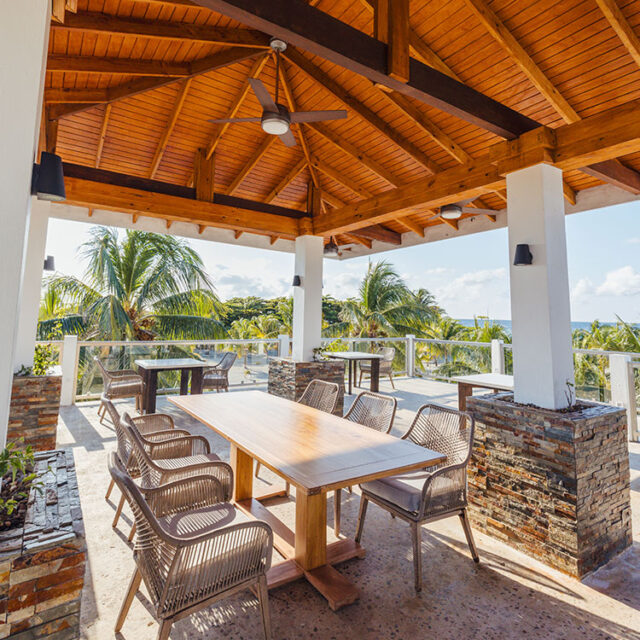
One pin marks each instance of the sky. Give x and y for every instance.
(468, 275)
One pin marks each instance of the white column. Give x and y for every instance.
(284, 343)
(307, 298)
(411, 355)
(32, 283)
(69, 367)
(623, 391)
(540, 313)
(23, 49)
(497, 356)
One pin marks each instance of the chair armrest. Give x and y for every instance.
(440, 487)
(222, 471)
(179, 447)
(184, 495)
(162, 436)
(153, 422)
(125, 373)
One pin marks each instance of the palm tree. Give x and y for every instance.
(142, 286)
(385, 306)
(55, 316)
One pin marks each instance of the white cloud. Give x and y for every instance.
(621, 282)
(583, 290)
(342, 286)
(635, 240)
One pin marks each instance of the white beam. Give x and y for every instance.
(32, 283)
(540, 312)
(23, 49)
(307, 298)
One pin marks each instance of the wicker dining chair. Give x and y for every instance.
(435, 493)
(386, 365)
(319, 395)
(193, 548)
(119, 384)
(218, 377)
(372, 410)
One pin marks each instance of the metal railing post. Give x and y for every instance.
(497, 356)
(283, 346)
(69, 366)
(411, 355)
(623, 393)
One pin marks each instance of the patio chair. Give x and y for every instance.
(432, 494)
(193, 548)
(218, 377)
(386, 365)
(319, 395)
(152, 426)
(372, 410)
(119, 384)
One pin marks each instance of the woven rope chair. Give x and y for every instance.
(433, 494)
(156, 426)
(119, 384)
(386, 365)
(371, 410)
(218, 377)
(193, 548)
(319, 395)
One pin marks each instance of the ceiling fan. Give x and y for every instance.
(276, 119)
(332, 248)
(454, 211)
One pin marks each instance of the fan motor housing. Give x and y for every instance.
(276, 123)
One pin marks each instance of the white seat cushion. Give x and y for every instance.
(203, 520)
(404, 490)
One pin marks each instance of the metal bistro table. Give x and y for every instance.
(149, 370)
(354, 356)
(317, 453)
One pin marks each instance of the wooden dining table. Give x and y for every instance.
(316, 452)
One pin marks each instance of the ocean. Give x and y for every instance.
(468, 322)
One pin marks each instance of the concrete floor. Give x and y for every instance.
(507, 595)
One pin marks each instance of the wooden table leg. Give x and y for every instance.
(242, 465)
(375, 375)
(197, 376)
(311, 530)
(184, 382)
(349, 364)
(150, 390)
(464, 391)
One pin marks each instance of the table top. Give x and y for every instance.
(172, 363)
(313, 450)
(354, 355)
(488, 380)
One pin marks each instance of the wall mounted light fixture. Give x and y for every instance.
(49, 264)
(297, 281)
(47, 179)
(523, 255)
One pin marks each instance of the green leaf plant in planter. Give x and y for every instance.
(17, 478)
(44, 357)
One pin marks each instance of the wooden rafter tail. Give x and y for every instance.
(412, 225)
(58, 9)
(273, 239)
(202, 228)
(237, 234)
(169, 223)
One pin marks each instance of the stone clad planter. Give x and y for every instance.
(42, 564)
(33, 416)
(289, 379)
(552, 484)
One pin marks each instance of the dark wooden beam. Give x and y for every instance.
(306, 27)
(614, 172)
(379, 232)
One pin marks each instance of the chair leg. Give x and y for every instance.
(102, 406)
(337, 510)
(257, 469)
(132, 532)
(416, 531)
(466, 525)
(361, 516)
(110, 489)
(287, 488)
(118, 512)
(126, 605)
(263, 597)
(391, 379)
(360, 378)
(165, 630)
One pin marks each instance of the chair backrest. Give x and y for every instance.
(227, 361)
(445, 430)
(103, 371)
(373, 410)
(111, 409)
(387, 353)
(123, 447)
(148, 472)
(321, 395)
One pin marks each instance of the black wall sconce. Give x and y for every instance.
(47, 179)
(297, 281)
(523, 255)
(49, 264)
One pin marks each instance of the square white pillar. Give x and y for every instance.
(540, 308)
(23, 50)
(307, 298)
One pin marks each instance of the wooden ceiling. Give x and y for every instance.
(131, 86)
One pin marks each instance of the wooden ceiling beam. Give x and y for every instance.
(295, 171)
(621, 26)
(398, 56)
(117, 66)
(369, 116)
(356, 239)
(590, 141)
(114, 25)
(103, 135)
(320, 34)
(340, 178)
(50, 131)
(58, 8)
(412, 226)
(204, 176)
(257, 155)
(380, 233)
(168, 130)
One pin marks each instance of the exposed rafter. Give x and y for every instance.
(339, 178)
(257, 155)
(117, 66)
(103, 135)
(621, 26)
(295, 171)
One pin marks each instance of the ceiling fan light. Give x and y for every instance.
(451, 212)
(275, 124)
(331, 248)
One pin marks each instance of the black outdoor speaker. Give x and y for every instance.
(47, 181)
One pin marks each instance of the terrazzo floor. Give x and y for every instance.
(507, 595)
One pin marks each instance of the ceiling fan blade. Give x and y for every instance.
(263, 95)
(288, 139)
(232, 120)
(317, 116)
(464, 203)
(489, 212)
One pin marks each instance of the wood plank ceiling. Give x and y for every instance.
(131, 86)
